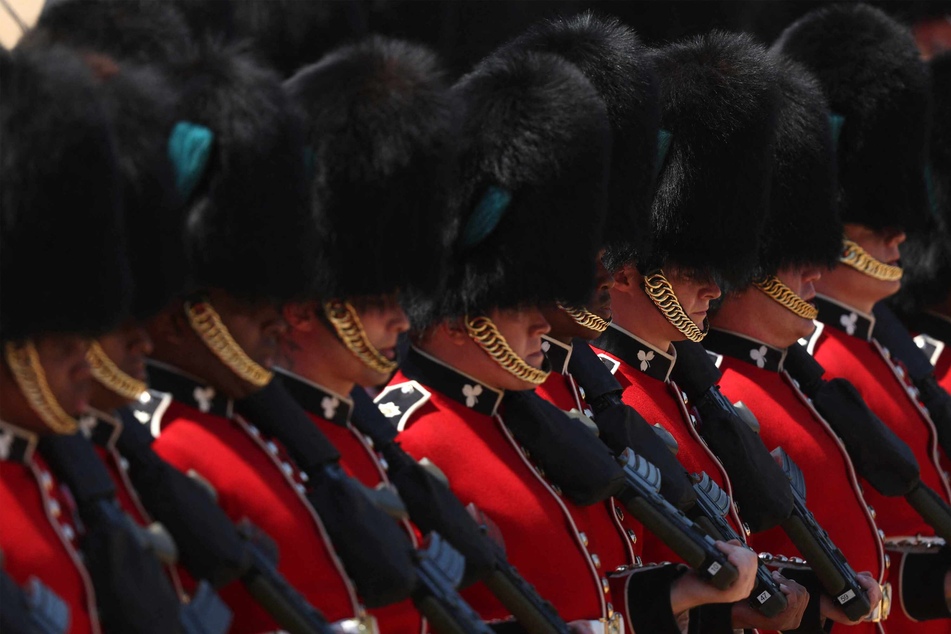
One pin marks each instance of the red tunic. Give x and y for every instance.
(569, 553)
(253, 479)
(643, 371)
(331, 413)
(844, 345)
(37, 531)
(788, 420)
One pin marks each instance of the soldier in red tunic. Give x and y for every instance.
(630, 91)
(756, 323)
(249, 242)
(882, 192)
(925, 297)
(379, 122)
(534, 151)
(65, 277)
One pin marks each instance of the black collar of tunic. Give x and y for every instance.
(747, 349)
(849, 320)
(317, 399)
(16, 443)
(452, 383)
(636, 352)
(188, 389)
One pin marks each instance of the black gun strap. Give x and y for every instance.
(74, 461)
(275, 412)
(368, 419)
(892, 334)
(589, 371)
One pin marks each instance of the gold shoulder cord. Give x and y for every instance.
(24, 362)
(660, 291)
(858, 258)
(484, 333)
(346, 323)
(111, 376)
(585, 318)
(784, 295)
(206, 321)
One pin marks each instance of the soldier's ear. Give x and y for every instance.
(301, 315)
(455, 330)
(168, 326)
(627, 278)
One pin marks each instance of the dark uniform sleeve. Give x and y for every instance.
(811, 622)
(647, 597)
(922, 584)
(713, 618)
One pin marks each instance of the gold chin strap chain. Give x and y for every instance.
(206, 321)
(24, 362)
(858, 258)
(111, 376)
(585, 318)
(660, 291)
(784, 295)
(484, 333)
(345, 321)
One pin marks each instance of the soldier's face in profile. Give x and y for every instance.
(695, 291)
(127, 347)
(523, 329)
(383, 321)
(63, 358)
(256, 327)
(855, 288)
(789, 326)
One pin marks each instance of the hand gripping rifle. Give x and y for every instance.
(713, 504)
(433, 507)
(374, 549)
(891, 333)
(706, 506)
(33, 609)
(749, 459)
(879, 456)
(210, 546)
(585, 469)
(133, 592)
(824, 558)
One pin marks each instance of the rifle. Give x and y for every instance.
(621, 426)
(707, 506)
(211, 547)
(759, 485)
(879, 456)
(826, 560)
(892, 334)
(587, 472)
(133, 592)
(374, 549)
(710, 513)
(433, 507)
(33, 609)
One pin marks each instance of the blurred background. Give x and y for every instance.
(291, 33)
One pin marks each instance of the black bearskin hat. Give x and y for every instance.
(534, 152)
(719, 101)
(380, 133)
(62, 259)
(926, 256)
(869, 67)
(249, 229)
(143, 106)
(619, 66)
(802, 224)
(143, 31)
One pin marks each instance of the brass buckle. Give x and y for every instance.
(881, 611)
